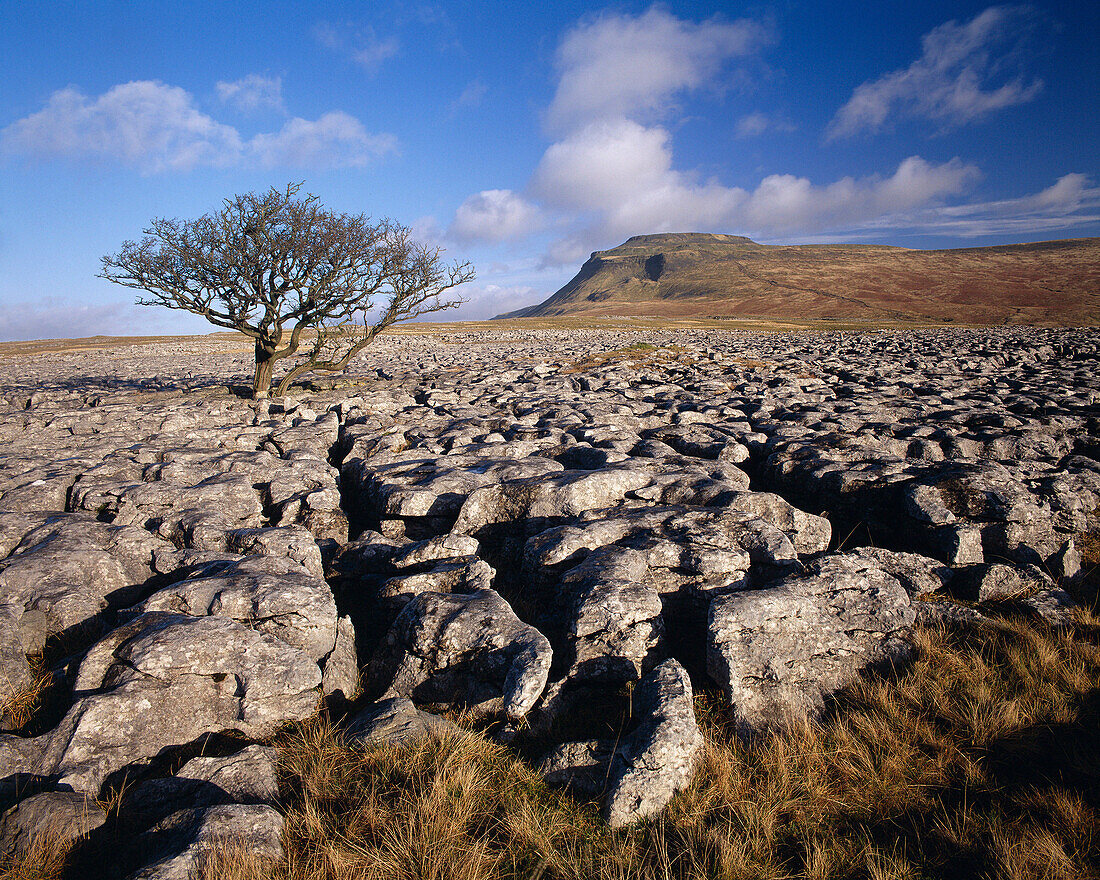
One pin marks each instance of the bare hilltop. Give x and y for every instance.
(729, 276)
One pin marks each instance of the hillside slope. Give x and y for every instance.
(708, 275)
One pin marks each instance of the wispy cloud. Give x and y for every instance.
(954, 82)
(373, 50)
(155, 127)
(1071, 201)
(361, 43)
(494, 215)
(623, 176)
(335, 140)
(756, 124)
(253, 92)
(617, 65)
(489, 300)
(472, 95)
(57, 319)
(147, 124)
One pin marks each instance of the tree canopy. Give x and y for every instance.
(303, 282)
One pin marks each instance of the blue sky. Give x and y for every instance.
(524, 137)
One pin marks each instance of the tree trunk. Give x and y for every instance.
(265, 367)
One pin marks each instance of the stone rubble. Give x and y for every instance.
(525, 524)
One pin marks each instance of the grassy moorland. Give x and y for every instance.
(229, 341)
(680, 275)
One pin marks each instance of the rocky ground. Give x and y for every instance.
(539, 527)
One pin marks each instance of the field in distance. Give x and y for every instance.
(228, 340)
(692, 275)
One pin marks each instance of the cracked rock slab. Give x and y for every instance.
(778, 652)
(178, 843)
(162, 681)
(462, 650)
(272, 594)
(654, 759)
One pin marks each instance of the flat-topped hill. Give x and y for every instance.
(709, 275)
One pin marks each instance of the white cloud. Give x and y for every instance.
(618, 65)
(494, 215)
(426, 229)
(156, 127)
(335, 140)
(325, 33)
(253, 92)
(950, 82)
(146, 124)
(783, 202)
(371, 51)
(1073, 200)
(472, 95)
(613, 67)
(490, 300)
(572, 250)
(1067, 194)
(363, 44)
(755, 124)
(602, 165)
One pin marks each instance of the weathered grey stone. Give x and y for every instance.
(449, 546)
(416, 485)
(272, 594)
(778, 652)
(658, 758)
(462, 650)
(394, 721)
(163, 680)
(547, 496)
(62, 816)
(943, 611)
(293, 542)
(464, 575)
(614, 627)
(582, 768)
(248, 777)
(63, 576)
(1000, 581)
(652, 760)
(919, 575)
(178, 843)
(341, 672)
(1054, 605)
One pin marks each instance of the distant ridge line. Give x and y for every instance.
(687, 274)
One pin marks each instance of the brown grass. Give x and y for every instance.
(1086, 589)
(636, 354)
(45, 858)
(18, 707)
(980, 758)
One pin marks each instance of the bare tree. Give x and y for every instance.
(303, 282)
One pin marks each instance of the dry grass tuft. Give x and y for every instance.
(636, 354)
(45, 858)
(456, 807)
(233, 859)
(1086, 590)
(19, 707)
